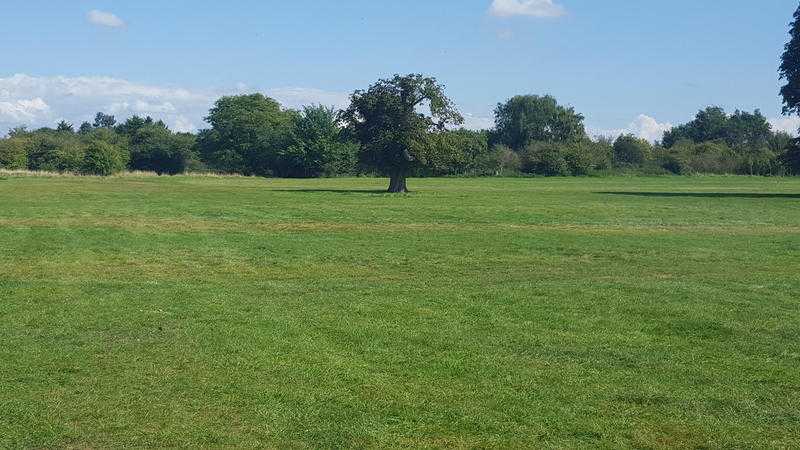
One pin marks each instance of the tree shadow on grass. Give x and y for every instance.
(335, 191)
(756, 195)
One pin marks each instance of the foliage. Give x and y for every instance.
(741, 129)
(247, 134)
(55, 152)
(14, 153)
(65, 127)
(155, 148)
(791, 158)
(529, 118)
(85, 128)
(545, 158)
(631, 151)
(499, 161)
(686, 157)
(103, 158)
(582, 157)
(458, 152)
(103, 120)
(319, 147)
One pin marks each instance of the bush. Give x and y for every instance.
(13, 153)
(543, 158)
(55, 153)
(499, 161)
(686, 157)
(102, 158)
(160, 151)
(582, 157)
(631, 151)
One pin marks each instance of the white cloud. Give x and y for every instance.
(648, 128)
(531, 8)
(105, 19)
(643, 126)
(42, 101)
(789, 124)
(23, 111)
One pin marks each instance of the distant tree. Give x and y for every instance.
(247, 132)
(631, 151)
(85, 128)
(155, 148)
(527, 118)
(318, 146)
(460, 151)
(780, 142)
(65, 127)
(791, 158)
(748, 130)
(18, 131)
(102, 120)
(133, 124)
(394, 120)
(708, 125)
(790, 68)
(748, 135)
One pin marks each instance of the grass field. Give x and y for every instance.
(575, 312)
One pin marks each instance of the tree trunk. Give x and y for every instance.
(397, 183)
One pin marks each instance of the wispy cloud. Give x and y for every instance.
(530, 8)
(105, 19)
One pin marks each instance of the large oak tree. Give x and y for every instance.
(394, 120)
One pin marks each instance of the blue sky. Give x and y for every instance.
(625, 64)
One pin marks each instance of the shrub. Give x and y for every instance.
(686, 157)
(55, 153)
(102, 158)
(160, 151)
(499, 161)
(543, 158)
(631, 151)
(13, 153)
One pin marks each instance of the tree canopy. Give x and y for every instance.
(530, 118)
(247, 131)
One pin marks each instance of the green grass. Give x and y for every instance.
(609, 312)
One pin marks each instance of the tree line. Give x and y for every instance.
(254, 135)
